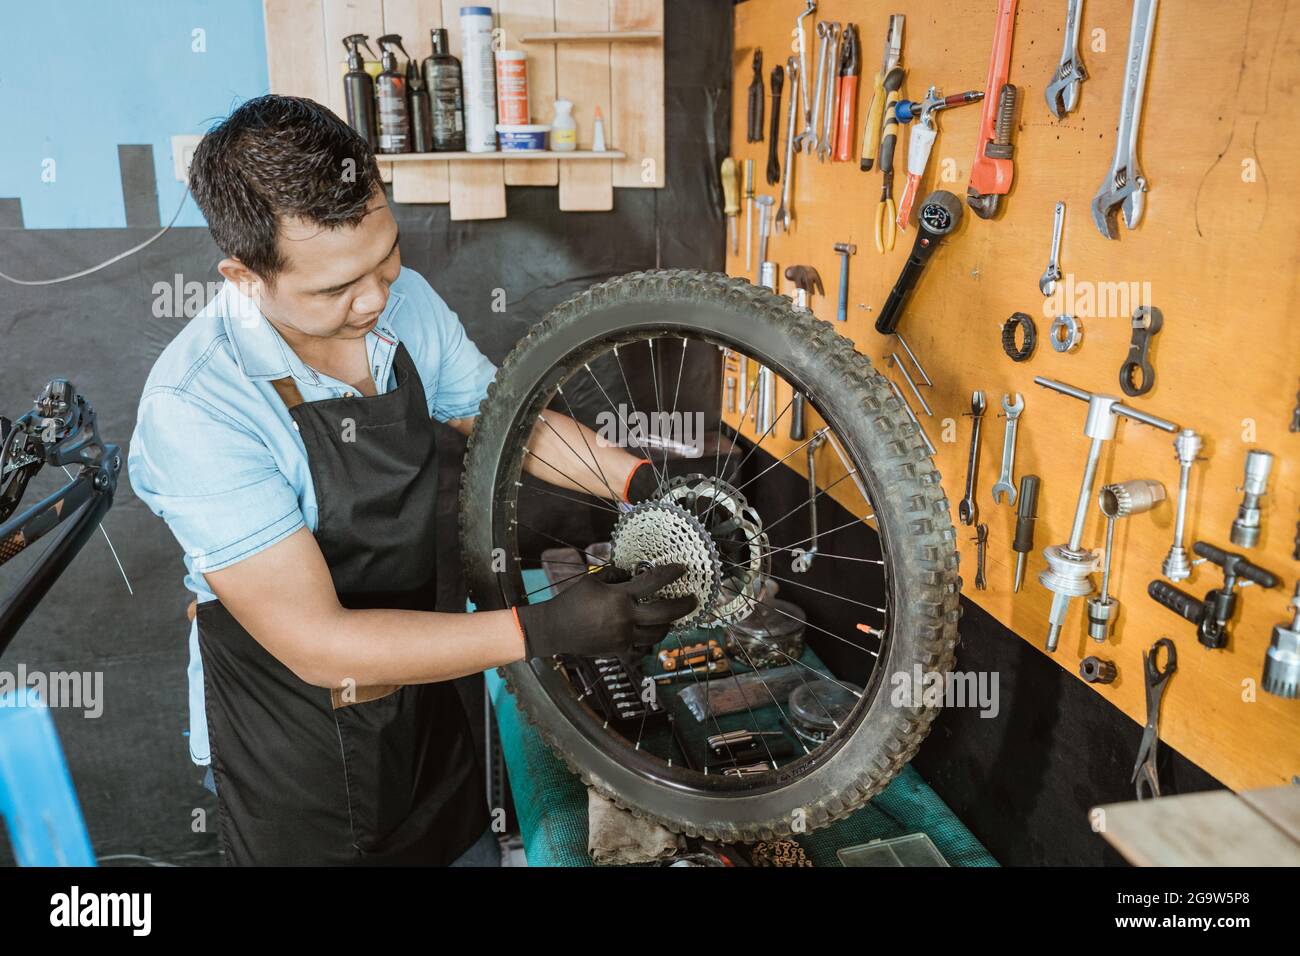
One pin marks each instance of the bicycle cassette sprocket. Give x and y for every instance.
(658, 533)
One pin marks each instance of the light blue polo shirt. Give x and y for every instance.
(215, 453)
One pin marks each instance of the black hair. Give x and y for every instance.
(276, 157)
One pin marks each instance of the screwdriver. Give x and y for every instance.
(1026, 515)
(731, 205)
(749, 215)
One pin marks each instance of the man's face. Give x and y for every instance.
(335, 281)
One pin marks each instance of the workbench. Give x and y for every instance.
(551, 803)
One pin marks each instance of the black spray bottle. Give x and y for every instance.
(390, 94)
(359, 89)
(419, 108)
(442, 77)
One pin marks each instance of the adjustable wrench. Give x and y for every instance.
(1052, 274)
(785, 212)
(967, 510)
(803, 557)
(1063, 92)
(1003, 486)
(1125, 185)
(809, 135)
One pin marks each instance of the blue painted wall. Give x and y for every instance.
(78, 77)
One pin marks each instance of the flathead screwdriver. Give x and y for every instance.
(1026, 515)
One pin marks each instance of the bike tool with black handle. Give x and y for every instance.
(754, 126)
(1213, 614)
(774, 135)
(940, 214)
(891, 58)
(1026, 518)
(922, 139)
(807, 280)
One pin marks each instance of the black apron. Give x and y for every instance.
(365, 775)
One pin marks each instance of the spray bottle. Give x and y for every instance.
(442, 77)
(390, 92)
(359, 89)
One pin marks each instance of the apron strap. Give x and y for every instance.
(288, 391)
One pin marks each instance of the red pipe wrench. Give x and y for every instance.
(992, 172)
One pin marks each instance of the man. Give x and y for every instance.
(286, 437)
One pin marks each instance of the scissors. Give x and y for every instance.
(1144, 771)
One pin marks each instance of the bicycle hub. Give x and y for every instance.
(1213, 614)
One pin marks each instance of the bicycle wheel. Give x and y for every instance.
(701, 515)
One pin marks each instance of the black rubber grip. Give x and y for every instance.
(1026, 515)
(1180, 602)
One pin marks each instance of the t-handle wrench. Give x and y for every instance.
(1063, 92)
(1125, 186)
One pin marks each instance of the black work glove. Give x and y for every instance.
(641, 484)
(607, 612)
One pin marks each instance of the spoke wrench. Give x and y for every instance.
(1012, 409)
(1125, 186)
(967, 510)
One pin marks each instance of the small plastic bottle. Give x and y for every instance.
(564, 129)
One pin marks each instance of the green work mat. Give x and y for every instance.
(551, 803)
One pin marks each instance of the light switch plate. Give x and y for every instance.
(183, 147)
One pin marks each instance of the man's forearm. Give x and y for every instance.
(568, 454)
(361, 648)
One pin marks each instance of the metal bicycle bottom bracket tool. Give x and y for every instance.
(1070, 565)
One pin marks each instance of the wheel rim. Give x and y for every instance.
(549, 389)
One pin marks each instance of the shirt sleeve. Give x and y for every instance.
(213, 481)
(463, 372)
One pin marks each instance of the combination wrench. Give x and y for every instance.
(803, 69)
(1063, 92)
(1052, 274)
(785, 212)
(824, 142)
(1125, 186)
(1011, 408)
(809, 135)
(967, 511)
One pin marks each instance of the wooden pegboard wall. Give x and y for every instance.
(1217, 246)
(305, 57)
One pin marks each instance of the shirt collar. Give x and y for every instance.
(262, 353)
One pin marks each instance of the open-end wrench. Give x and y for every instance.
(785, 212)
(1063, 92)
(967, 510)
(803, 69)
(802, 558)
(809, 135)
(1047, 283)
(1011, 408)
(825, 140)
(1125, 186)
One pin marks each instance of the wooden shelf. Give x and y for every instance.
(577, 154)
(598, 36)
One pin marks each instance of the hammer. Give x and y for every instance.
(844, 249)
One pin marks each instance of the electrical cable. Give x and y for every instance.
(108, 262)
